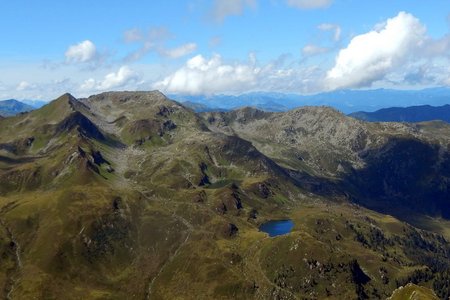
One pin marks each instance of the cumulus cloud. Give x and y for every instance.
(371, 56)
(206, 76)
(225, 8)
(336, 29)
(124, 76)
(88, 84)
(81, 53)
(419, 75)
(309, 4)
(201, 75)
(438, 47)
(114, 80)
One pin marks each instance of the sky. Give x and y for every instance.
(201, 47)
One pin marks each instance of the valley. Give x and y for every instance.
(130, 195)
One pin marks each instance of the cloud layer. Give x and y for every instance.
(201, 75)
(81, 53)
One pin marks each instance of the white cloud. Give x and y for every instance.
(203, 76)
(311, 50)
(309, 4)
(124, 76)
(438, 47)
(88, 84)
(24, 85)
(224, 8)
(371, 56)
(81, 53)
(210, 76)
(114, 80)
(331, 27)
(180, 51)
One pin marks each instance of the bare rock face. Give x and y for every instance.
(82, 124)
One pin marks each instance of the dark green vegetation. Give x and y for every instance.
(406, 114)
(129, 195)
(13, 107)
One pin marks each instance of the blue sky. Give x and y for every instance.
(221, 46)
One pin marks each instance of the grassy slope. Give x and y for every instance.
(150, 229)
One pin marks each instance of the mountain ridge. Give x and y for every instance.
(141, 196)
(421, 113)
(12, 107)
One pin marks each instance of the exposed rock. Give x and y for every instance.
(85, 127)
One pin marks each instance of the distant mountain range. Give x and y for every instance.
(34, 103)
(347, 101)
(406, 114)
(12, 107)
(199, 107)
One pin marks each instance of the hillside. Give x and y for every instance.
(389, 167)
(13, 107)
(421, 113)
(132, 195)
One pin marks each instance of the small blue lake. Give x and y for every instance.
(274, 228)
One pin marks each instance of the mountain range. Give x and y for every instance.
(420, 113)
(12, 107)
(347, 101)
(132, 195)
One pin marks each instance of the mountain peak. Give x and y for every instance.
(12, 107)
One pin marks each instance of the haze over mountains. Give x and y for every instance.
(130, 194)
(13, 107)
(347, 101)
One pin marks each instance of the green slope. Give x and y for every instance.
(132, 196)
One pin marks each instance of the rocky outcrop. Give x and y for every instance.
(82, 124)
